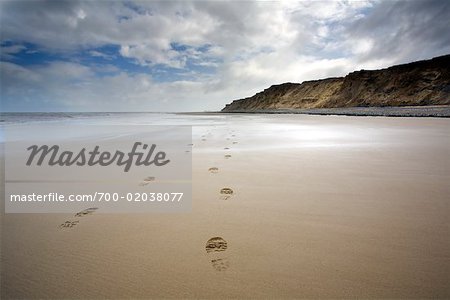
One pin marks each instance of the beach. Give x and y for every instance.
(284, 206)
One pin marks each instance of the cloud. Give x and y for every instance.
(8, 51)
(402, 31)
(96, 53)
(200, 55)
(75, 87)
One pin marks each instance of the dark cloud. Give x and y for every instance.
(404, 30)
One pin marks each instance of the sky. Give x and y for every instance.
(199, 55)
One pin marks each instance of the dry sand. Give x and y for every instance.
(320, 206)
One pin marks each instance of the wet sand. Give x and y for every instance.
(296, 207)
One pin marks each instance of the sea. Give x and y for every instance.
(22, 121)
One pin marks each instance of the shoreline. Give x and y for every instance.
(438, 111)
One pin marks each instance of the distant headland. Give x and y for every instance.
(423, 83)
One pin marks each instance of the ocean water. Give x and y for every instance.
(135, 118)
(21, 122)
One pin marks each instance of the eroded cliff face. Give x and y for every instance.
(419, 83)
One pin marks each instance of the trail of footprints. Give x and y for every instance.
(72, 223)
(88, 211)
(215, 246)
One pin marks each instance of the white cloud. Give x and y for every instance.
(8, 51)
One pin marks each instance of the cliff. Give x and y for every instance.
(421, 83)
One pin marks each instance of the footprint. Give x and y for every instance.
(68, 224)
(203, 139)
(226, 148)
(85, 212)
(147, 180)
(226, 193)
(227, 156)
(213, 170)
(220, 264)
(216, 244)
(187, 151)
(234, 142)
(214, 248)
(190, 144)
